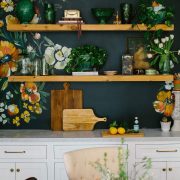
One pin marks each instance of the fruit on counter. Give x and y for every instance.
(121, 130)
(113, 130)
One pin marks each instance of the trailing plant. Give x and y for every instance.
(85, 58)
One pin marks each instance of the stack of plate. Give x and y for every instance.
(110, 73)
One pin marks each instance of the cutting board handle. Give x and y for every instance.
(104, 119)
(66, 86)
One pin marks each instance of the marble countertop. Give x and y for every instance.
(85, 136)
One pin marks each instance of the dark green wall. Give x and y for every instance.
(116, 101)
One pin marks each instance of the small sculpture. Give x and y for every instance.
(117, 19)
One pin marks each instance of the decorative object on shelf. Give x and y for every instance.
(177, 82)
(80, 120)
(165, 124)
(138, 71)
(165, 101)
(103, 14)
(21, 103)
(72, 13)
(91, 73)
(44, 67)
(130, 134)
(86, 58)
(117, 19)
(25, 11)
(151, 71)
(161, 54)
(25, 65)
(110, 73)
(127, 64)
(154, 12)
(9, 57)
(126, 13)
(37, 67)
(49, 14)
(176, 112)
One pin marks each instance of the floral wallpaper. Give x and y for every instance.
(21, 103)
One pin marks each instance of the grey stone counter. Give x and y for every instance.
(83, 136)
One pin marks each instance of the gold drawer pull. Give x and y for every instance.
(170, 169)
(167, 150)
(15, 152)
(163, 169)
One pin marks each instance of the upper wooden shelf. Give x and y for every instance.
(84, 27)
(100, 78)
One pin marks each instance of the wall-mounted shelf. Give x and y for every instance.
(84, 27)
(100, 78)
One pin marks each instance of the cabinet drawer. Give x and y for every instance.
(158, 151)
(60, 150)
(23, 152)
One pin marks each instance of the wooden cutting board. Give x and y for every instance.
(106, 134)
(80, 119)
(64, 99)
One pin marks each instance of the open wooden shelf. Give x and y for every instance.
(100, 78)
(84, 27)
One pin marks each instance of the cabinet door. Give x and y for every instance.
(60, 172)
(173, 170)
(27, 170)
(157, 172)
(7, 171)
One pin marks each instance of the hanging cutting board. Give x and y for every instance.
(80, 119)
(64, 99)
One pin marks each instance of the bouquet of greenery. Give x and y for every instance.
(86, 58)
(154, 12)
(162, 55)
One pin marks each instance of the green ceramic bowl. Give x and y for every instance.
(102, 14)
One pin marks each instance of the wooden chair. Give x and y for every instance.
(78, 163)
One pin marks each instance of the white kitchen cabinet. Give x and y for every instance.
(173, 170)
(60, 172)
(26, 170)
(22, 171)
(7, 171)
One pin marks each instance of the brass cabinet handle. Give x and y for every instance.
(12, 170)
(170, 169)
(18, 170)
(164, 169)
(175, 150)
(15, 152)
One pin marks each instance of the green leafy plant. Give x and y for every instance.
(85, 58)
(154, 12)
(140, 170)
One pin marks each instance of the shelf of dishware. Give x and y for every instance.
(98, 78)
(85, 27)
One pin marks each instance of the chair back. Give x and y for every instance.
(79, 166)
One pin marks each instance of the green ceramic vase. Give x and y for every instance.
(25, 11)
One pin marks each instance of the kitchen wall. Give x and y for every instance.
(117, 101)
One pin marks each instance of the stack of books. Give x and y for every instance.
(71, 21)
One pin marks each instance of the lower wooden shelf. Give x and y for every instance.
(100, 78)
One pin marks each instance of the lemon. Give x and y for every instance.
(121, 130)
(113, 130)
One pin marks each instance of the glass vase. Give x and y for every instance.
(37, 67)
(165, 68)
(25, 66)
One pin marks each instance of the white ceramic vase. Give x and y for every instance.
(165, 126)
(176, 112)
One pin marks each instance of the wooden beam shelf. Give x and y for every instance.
(100, 78)
(84, 27)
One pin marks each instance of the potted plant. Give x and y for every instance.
(154, 12)
(86, 58)
(165, 105)
(161, 54)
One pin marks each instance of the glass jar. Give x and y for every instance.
(25, 66)
(49, 13)
(44, 67)
(127, 64)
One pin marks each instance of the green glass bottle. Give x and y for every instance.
(50, 14)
